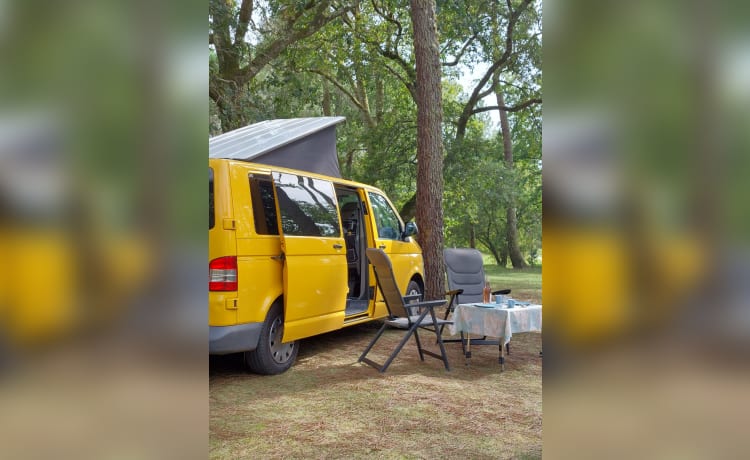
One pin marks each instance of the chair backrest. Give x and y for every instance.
(387, 282)
(465, 269)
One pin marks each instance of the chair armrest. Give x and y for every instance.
(501, 292)
(452, 298)
(422, 308)
(428, 304)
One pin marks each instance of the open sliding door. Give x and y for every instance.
(315, 268)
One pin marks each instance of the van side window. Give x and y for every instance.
(264, 207)
(308, 206)
(386, 219)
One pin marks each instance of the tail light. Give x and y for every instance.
(222, 274)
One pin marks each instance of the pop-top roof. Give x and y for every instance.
(308, 144)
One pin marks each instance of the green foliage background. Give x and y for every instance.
(360, 65)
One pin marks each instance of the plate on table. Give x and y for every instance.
(486, 305)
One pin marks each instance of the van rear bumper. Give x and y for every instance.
(232, 339)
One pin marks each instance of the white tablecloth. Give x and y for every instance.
(497, 320)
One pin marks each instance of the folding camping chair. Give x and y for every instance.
(465, 270)
(402, 315)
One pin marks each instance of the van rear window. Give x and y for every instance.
(211, 218)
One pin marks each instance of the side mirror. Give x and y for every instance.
(410, 230)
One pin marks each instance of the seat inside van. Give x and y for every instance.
(352, 222)
(350, 218)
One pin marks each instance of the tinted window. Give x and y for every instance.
(211, 219)
(264, 207)
(386, 219)
(308, 206)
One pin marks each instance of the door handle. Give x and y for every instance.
(381, 247)
(280, 257)
(337, 246)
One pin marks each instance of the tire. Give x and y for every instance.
(414, 288)
(272, 357)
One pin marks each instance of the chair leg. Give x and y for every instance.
(443, 356)
(442, 346)
(398, 349)
(447, 312)
(412, 330)
(372, 343)
(419, 344)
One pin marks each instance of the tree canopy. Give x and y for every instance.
(293, 58)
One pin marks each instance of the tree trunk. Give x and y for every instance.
(514, 248)
(429, 145)
(472, 236)
(379, 100)
(230, 112)
(348, 165)
(326, 99)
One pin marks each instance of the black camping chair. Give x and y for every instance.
(402, 315)
(465, 270)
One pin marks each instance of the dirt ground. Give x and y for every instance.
(329, 406)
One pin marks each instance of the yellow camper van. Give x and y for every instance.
(287, 246)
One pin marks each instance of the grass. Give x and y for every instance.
(329, 406)
(525, 284)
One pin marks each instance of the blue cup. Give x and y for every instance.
(499, 299)
(511, 303)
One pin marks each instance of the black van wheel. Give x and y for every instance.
(272, 356)
(413, 288)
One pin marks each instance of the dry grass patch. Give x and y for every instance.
(329, 406)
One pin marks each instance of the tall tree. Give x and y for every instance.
(511, 228)
(429, 144)
(511, 46)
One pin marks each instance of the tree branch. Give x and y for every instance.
(271, 51)
(513, 108)
(510, 83)
(246, 12)
(410, 85)
(463, 50)
(476, 95)
(357, 103)
(391, 19)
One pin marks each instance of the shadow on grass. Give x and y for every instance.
(332, 357)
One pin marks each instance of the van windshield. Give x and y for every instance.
(211, 218)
